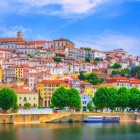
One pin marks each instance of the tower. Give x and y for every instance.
(19, 34)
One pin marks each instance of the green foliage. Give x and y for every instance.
(125, 72)
(51, 106)
(100, 98)
(15, 107)
(97, 59)
(60, 98)
(116, 66)
(39, 106)
(123, 98)
(134, 98)
(81, 76)
(61, 55)
(8, 98)
(114, 72)
(112, 93)
(87, 60)
(90, 106)
(93, 79)
(27, 105)
(30, 55)
(58, 60)
(135, 70)
(74, 99)
(87, 49)
(66, 98)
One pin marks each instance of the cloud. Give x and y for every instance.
(12, 31)
(111, 40)
(55, 7)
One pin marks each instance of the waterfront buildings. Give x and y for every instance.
(35, 64)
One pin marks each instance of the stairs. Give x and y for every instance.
(53, 117)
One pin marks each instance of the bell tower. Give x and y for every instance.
(19, 34)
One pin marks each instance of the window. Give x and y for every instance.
(20, 98)
(34, 98)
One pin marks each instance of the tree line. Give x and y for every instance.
(112, 98)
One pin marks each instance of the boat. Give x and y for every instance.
(102, 119)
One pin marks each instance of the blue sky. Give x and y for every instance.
(99, 24)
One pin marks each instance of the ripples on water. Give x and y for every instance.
(74, 131)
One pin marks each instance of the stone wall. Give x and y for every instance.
(62, 117)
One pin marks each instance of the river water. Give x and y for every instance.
(73, 131)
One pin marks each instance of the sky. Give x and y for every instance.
(99, 24)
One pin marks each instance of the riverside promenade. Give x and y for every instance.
(62, 117)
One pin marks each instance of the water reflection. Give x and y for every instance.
(75, 131)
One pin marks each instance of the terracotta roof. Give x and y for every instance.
(39, 42)
(123, 80)
(21, 57)
(84, 83)
(21, 90)
(12, 40)
(44, 72)
(25, 43)
(54, 82)
(5, 50)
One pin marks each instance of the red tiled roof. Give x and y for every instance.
(5, 50)
(12, 40)
(21, 90)
(123, 80)
(84, 83)
(39, 42)
(54, 82)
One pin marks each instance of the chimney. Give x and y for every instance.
(19, 34)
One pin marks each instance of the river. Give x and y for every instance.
(73, 131)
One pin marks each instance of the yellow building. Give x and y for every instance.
(25, 95)
(89, 91)
(1, 74)
(46, 89)
(19, 72)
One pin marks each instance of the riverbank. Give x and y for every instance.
(62, 117)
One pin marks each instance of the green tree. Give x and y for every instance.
(97, 59)
(135, 70)
(27, 105)
(114, 72)
(74, 99)
(81, 76)
(112, 93)
(100, 99)
(122, 98)
(93, 79)
(30, 55)
(116, 66)
(58, 60)
(60, 98)
(8, 98)
(15, 107)
(51, 106)
(90, 106)
(87, 49)
(125, 72)
(87, 60)
(39, 106)
(134, 98)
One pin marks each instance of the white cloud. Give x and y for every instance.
(109, 41)
(56, 7)
(12, 31)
